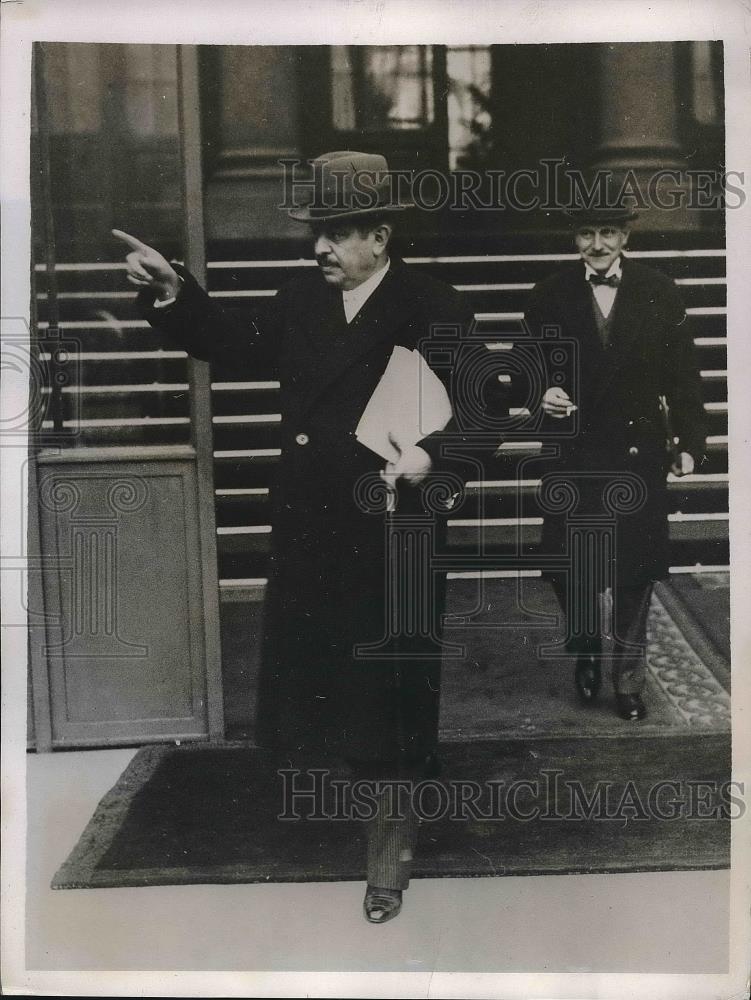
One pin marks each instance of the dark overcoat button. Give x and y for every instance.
(302, 439)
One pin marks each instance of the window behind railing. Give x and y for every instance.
(105, 154)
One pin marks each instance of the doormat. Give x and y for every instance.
(208, 813)
(503, 687)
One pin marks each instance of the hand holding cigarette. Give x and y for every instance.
(557, 403)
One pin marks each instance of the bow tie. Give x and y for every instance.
(612, 281)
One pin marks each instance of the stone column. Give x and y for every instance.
(253, 103)
(639, 127)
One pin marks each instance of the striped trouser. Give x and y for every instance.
(391, 844)
(391, 834)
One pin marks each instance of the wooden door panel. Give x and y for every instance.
(125, 650)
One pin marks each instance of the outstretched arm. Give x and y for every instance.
(171, 300)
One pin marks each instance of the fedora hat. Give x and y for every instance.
(600, 199)
(348, 184)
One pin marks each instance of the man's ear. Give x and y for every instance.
(626, 234)
(381, 237)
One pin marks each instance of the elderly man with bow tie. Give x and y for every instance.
(614, 443)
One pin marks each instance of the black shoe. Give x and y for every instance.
(587, 678)
(630, 707)
(381, 905)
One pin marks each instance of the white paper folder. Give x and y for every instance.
(408, 403)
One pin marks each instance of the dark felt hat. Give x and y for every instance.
(602, 197)
(348, 184)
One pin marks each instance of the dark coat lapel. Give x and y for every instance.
(384, 312)
(320, 318)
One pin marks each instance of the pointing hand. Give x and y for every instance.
(147, 268)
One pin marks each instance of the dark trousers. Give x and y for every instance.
(622, 615)
(391, 835)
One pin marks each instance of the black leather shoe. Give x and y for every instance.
(381, 905)
(630, 707)
(588, 679)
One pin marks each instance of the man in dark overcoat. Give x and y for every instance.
(328, 335)
(629, 411)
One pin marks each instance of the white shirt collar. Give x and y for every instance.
(355, 298)
(615, 268)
